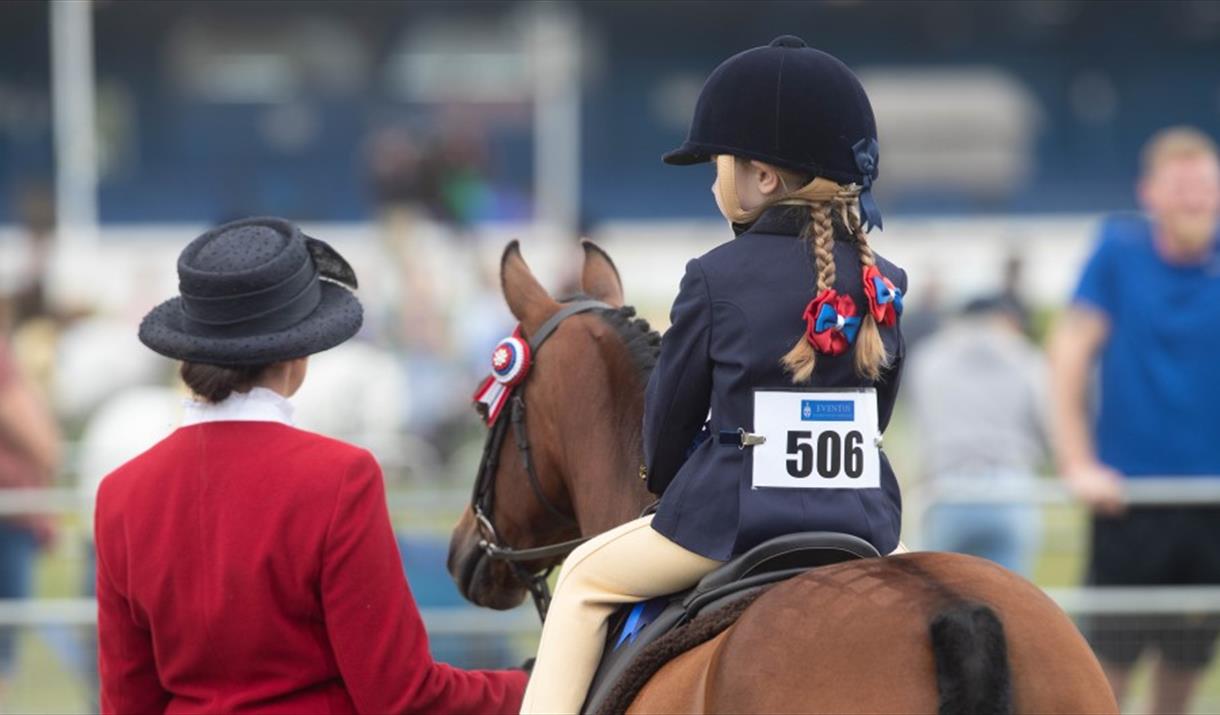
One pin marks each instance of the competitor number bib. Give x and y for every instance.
(817, 439)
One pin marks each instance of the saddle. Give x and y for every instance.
(639, 625)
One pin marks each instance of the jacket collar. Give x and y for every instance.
(257, 405)
(778, 220)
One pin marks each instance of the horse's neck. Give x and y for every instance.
(604, 481)
(602, 512)
(608, 489)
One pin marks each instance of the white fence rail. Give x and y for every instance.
(467, 620)
(464, 621)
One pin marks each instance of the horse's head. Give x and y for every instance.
(577, 428)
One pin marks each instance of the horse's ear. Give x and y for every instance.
(600, 279)
(527, 299)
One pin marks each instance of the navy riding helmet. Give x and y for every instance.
(792, 106)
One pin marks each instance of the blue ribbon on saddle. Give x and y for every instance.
(866, 151)
(829, 319)
(888, 293)
(638, 618)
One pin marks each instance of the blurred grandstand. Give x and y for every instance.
(420, 136)
(206, 110)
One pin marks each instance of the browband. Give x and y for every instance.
(567, 311)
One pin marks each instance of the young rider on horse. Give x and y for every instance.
(797, 300)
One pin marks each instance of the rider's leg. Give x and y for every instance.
(627, 564)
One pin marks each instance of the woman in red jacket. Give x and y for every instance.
(243, 564)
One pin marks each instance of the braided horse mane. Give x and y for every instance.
(642, 342)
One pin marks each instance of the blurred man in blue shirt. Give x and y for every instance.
(1147, 311)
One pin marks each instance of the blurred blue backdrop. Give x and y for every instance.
(208, 110)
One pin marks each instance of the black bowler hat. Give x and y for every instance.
(255, 292)
(790, 105)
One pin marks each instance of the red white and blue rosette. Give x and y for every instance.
(510, 363)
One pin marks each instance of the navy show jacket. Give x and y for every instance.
(738, 312)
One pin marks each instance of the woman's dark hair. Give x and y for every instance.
(215, 382)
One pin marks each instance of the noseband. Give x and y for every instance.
(483, 499)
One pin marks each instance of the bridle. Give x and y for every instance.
(483, 499)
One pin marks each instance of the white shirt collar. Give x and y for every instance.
(257, 405)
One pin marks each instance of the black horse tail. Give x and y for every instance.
(971, 654)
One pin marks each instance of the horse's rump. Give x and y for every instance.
(858, 637)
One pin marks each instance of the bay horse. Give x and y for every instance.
(911, 633)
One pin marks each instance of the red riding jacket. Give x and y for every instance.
(251, 566)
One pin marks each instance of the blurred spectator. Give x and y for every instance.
(97, 357)
(977, 386)
(460, 164)
(444, 178)
(407, 184)
(924, 316)
(430, 188)
(28, 317)
(36, 210)
(1014, 276)
(1147, 311)
(29, 455)
(395, 167)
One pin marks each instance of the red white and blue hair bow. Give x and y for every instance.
(510, 363)
(884, 299)
(831, 323)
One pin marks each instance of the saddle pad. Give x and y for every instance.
(654, 655)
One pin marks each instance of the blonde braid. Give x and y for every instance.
(800, 360)
(870, 350)
(823, 246)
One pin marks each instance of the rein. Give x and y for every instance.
(483, 498)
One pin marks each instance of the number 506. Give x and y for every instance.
(834, 455)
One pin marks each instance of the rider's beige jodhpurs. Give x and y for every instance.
(626, 564)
